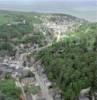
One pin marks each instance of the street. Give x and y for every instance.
(43, 87)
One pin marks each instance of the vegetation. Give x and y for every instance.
(34, 89)
(72, 63)
(8, 90)
(28, 29)
(17, 28)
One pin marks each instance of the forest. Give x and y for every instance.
(72, 63)
(16, 29)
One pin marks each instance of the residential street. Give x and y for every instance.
(22, 89)
(43, 86)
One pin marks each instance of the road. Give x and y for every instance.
(21, 57)
(43, 87)
(39, 49)
(39, 79)
(22, 89)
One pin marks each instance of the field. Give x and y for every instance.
(4, 19)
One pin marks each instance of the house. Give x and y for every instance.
(83, 98)
(5, 68)
(22, 98)
(28, 81)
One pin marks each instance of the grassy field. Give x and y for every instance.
(8, 90)
(4, 19)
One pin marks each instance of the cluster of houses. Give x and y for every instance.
(17, 23)
(52, 26)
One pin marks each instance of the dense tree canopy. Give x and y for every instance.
(72, 63)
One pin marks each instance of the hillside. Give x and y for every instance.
(64, 46)
(28, 29)
(71, 63)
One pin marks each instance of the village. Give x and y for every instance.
(29, 77)
(28, 73)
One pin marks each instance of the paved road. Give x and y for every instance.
(43, 87)
(22, 89)
(38, 78)
(31, 51)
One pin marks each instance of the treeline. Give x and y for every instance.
(13, 31)
(10, 32)
(72, 63)
(17, 30)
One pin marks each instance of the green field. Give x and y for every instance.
(34, 89)
(4, 19)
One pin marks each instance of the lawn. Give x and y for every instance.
(9, 89)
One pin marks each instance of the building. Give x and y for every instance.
(28, 81)
(5, 68)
